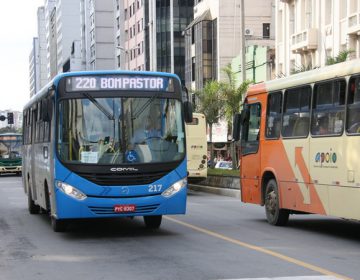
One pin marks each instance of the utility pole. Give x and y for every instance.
(242, 26)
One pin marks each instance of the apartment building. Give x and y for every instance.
(213, 39)
(97, 34)
(310, 32)
(67, 30)
(37, 57)
(148, 34)
(34, 67)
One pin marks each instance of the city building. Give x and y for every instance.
(309, 33)
(37, 58)
(149, 34)
(42, 46)
(68, 30)
(97, 35)
(51, 45)
(214, 39)
(34, 67)
(259, 42)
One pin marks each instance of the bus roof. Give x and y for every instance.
(308, 77)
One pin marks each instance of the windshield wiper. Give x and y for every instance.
(147, 103)
(109, 115)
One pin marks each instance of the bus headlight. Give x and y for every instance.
(175, 188)
(70, 190)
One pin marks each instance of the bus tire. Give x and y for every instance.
(274, 215)
(58, 225)
(32, 207)
(153, 222)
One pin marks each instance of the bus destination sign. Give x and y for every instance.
(92, 83)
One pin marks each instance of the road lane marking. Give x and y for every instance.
(260, 249)
(291, 278)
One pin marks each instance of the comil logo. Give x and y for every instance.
(326, 159)
(123, 169)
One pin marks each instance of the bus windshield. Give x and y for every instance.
(10, 146)
(120, 130)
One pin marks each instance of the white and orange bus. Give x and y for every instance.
(196, 147)
(300, 138)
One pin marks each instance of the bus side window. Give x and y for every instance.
(328, 108)
(273, 116)
(296, 112)
(251, 130)
(353, 106)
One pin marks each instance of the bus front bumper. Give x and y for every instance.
(10, 169)
(102, 207)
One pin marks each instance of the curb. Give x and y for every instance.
(214, 190)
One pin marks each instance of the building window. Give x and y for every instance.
(266, 30)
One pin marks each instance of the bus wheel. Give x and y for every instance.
(58, 225)
(152, 222)
(274, 215)
(32, 207)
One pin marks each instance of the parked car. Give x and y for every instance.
(223, 164)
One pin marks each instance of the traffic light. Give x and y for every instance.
(10, 118)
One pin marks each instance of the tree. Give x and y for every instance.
(233, 97)
(341, 57)
(210, 104)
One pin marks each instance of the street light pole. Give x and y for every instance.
(126, 55)
(127, 51)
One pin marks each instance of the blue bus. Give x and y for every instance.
(106, 144)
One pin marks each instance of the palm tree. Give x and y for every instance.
(233, 97)
(210, 104)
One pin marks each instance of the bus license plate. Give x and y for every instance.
(124, 208)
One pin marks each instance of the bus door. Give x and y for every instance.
(250, 154)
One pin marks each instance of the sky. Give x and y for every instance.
(18, 27)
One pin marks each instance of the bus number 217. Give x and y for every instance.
(155, 188)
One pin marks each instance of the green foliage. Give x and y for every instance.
(341, 57)
(210, 101)
(302, 68)
(232, 95)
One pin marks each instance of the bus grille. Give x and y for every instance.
(123, 179)
(144, 209)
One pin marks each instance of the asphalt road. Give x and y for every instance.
(218, 238)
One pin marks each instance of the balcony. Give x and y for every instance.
(304, 41)
(286, 1)
(354, 24)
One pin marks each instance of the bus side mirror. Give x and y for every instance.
(236, 127)
(188, 112)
